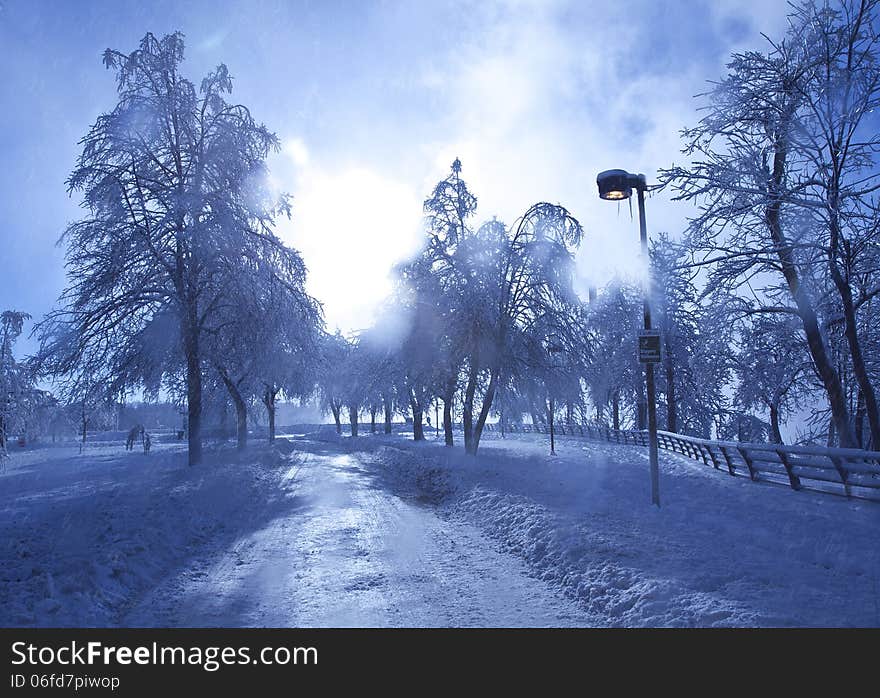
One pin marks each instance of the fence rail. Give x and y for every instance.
(843, 471)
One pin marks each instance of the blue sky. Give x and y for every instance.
(372, 101)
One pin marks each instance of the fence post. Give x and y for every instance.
(838, 463)
(685, 447)
(712, 456)
(727, 458)
(792, 478)
(748, 462)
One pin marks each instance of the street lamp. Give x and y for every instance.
(616, 185)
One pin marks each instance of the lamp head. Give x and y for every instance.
(615, 185)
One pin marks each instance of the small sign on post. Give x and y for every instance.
(649, 346)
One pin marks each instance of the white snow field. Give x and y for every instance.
(378, 531)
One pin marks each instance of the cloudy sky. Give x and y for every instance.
(372, 101)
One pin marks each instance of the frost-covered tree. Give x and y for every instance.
(263, 335)
(333, 358)
(837, 138)
(696, 342)
(703, 391)
(174, 190)
(289, 369)
(419, 360)
(613, 374)
(523, 282)
(447, 211)
(474, 299)
(441, 291)
(90, 401)
(772, 369)
(16, 381)
(783, 169)
(381, 365)
(674, 305)
(354, 383)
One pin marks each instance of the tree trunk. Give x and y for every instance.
(353, 419)
(241, 435)
(671, 406)
(335, 409)
(866, 389)
(860, 421)
(806, 312)
(224, 422)
(386, 403)
(193, 395)
(372, 420)
(484, 412)
(418, 430)
(447, 422)
(269, 402)
(271, 410)
(467, 415)
(240, 410)
(615, 411)
(448, 399)
(775, 433)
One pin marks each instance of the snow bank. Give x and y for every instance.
(84, 535)
(720, 552)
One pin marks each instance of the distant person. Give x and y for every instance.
(146, 439)
(136, 431)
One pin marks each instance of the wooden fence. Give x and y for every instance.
(843, 471)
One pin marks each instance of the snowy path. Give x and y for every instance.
(380, 531)
(348, 552)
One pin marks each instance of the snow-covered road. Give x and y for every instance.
(350, 552)
(320, 530)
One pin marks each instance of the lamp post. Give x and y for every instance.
(616, 185)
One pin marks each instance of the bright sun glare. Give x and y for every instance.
(352, 225)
